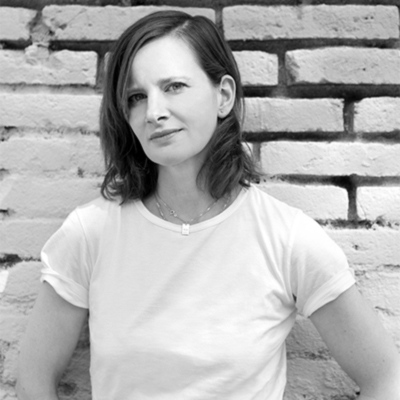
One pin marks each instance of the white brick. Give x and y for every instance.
(378, 202)
(78, 372)
(311, 158)
(392, 325)
(102, 23)
(288, 115)
(368, 248)
(50, 110)
(7, 392)
(303, 338)
(14, 23)
(319, 202)
(12, 326)
(323, 21)
(37, 154)
(381, 288)
(317, 379)
(37, 66)
(30, 197)
(344, 65)
(23, 282)
(257, 68)
(26, 237)
(11, 365)
(378, 114)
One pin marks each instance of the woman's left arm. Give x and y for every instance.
(361, 346)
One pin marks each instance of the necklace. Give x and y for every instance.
(185, 228)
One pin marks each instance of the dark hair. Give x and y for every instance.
(130, 174)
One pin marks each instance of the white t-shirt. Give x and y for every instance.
(196, 317)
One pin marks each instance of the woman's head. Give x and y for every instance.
(173, 106)
(129, 172)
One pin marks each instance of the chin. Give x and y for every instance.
(167, 161)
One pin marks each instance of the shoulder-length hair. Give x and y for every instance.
(130, 174)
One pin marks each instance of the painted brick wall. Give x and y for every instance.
(322, 86)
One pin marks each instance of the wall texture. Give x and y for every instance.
(322, 86)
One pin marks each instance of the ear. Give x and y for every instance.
(227, 92)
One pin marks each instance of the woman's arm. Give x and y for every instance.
(361, 346)
(50, 339)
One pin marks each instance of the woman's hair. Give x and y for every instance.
(130, 174)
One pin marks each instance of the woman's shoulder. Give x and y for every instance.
(270, 207)
(96, 214)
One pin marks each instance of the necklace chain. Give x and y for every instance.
(174, 214)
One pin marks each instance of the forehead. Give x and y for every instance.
(164, 58)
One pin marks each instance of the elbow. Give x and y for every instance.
(19, 390)
(26, 390)
(385, 386)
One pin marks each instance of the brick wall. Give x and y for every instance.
(322, 86)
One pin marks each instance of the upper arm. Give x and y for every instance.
(50, 339)
(359, 343)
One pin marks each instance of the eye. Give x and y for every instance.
(135, 98)
(175, 87)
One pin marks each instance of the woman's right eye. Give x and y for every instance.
(135, 99)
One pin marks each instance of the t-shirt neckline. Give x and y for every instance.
(195, 227)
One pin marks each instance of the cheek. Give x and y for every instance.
(202, 113)
(135, 124)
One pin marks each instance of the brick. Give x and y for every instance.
(317, 379)
(257, 68)
(12, 325)
(378, 114)
(101, 23)
(311, 158)
(78, 373)
(37, 66)
(35, 154)
(304, 338)
(378, 202)
(344, 65)
(319, 202)
(15, 22)
(23, 281)
(288, 115)
(368, 248)
(311, 22)
(381, 288)
(50, 110)
(391, 322)
(7, 392)
(28, 197)
(26, 238)
(11, 365)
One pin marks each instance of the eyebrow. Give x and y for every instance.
(162, 82)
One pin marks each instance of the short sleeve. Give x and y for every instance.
(66, 262)
(319, 271)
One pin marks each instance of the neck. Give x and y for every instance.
(180, 189)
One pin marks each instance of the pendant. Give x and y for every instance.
(185, 229)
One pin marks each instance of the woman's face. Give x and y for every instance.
(173, 106)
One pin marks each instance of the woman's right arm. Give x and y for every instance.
(52, 334)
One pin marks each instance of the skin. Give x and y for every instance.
(160, 101)
(169, 90)
(359, 343)
(50, 339)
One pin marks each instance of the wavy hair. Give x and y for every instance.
(130, 174)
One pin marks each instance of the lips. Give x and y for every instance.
(163, 133)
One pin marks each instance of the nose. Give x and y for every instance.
(157, 109)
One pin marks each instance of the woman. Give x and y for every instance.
(192, 276)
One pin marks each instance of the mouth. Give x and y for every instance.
(164, 133)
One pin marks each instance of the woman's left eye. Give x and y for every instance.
(175, 87)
